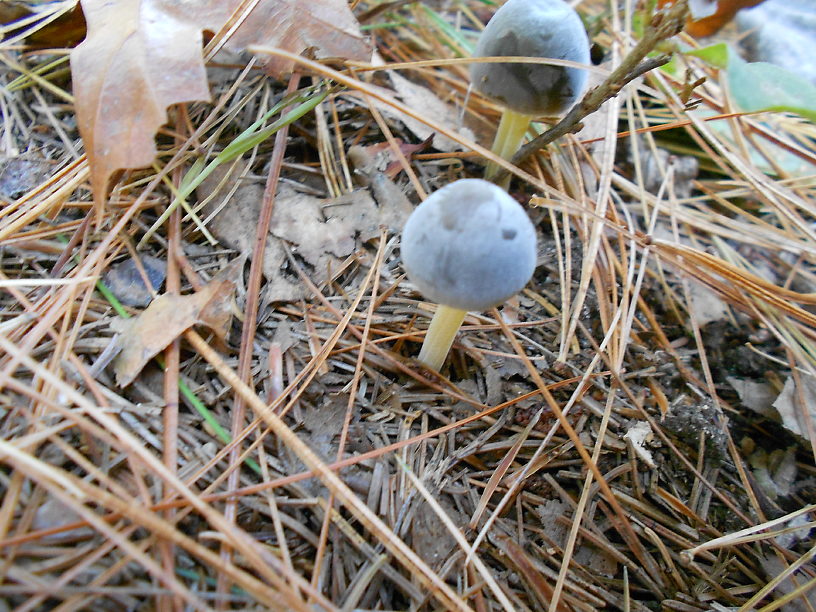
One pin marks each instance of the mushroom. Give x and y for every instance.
(530, 28)
(468, 246)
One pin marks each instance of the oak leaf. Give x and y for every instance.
(141, 56)
(320, 232)
(168, 316)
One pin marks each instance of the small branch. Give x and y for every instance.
(664, 25)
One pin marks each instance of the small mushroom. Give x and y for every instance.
(468, 246)
(530, 28)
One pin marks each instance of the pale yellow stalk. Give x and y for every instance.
(439, 338)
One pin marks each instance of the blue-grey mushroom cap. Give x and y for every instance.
(469, 246)
(533, 28)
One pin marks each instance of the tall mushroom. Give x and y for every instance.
(530, 28)
(468, 246)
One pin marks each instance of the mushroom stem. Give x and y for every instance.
(439, 338)
(512, 128)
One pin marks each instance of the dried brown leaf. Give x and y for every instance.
(775, 471)
(787, 404)
(65, 31)
(380, 157)
(420, 97)
(324, 28)
(169, 316)
(639, 435)
(756, 395)
(321, 232)
(141, 56)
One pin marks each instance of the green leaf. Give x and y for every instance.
(760, 86)
(455, 38)
(715, 55)
(670, 67)
(249, 138)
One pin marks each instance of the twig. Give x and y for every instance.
(249, 329)
(663, 25)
